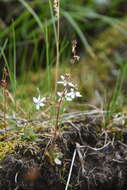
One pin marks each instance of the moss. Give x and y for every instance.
(7, 147)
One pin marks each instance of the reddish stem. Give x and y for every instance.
(58, 111)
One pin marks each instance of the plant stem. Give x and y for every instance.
(5, 103)
(5, 94)
(58, 111)
(57, 46)
(58, 114)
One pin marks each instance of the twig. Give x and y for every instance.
(106, 135)
(122, 144)
(70, 172)
(81, 158)
(96, 149)
(118, 161)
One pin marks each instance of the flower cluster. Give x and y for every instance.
(65, 81)
(70, 92)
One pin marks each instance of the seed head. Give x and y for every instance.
(56, 8)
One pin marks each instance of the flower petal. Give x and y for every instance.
(42, 100)
(72, 90)
(78, 94)
(59, 94)
(68, 98)
(41, 104)
(35, 100)
(62, 77)
(60, 82)
(65, 83)
(71, 84)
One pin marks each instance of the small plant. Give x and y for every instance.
(54, 155)
(68, 93)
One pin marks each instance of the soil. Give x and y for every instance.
(100, 162)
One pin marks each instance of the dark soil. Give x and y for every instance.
(100, 162)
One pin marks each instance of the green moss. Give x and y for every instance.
(6, 147)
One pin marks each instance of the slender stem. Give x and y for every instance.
(5, 124)
(58, 114)
(57, 46)
(4, 87)
(58, 110)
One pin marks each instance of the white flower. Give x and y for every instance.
(69, 96)
(39, 102)
(65, 82)
(72, 94)
(77, 94)
(62, 95)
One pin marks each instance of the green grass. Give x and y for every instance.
(117, 103)
(31, 26)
